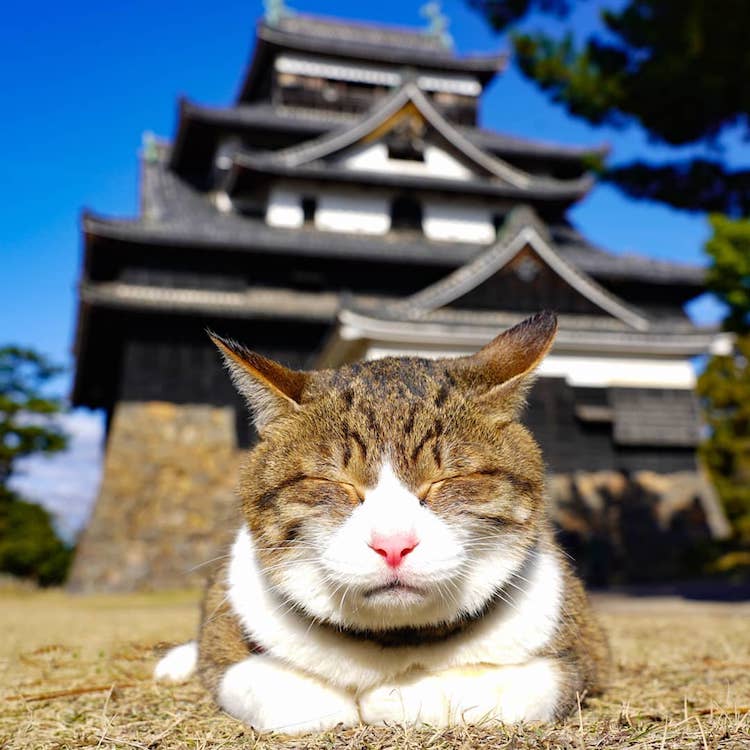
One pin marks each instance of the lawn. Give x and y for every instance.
(76, 673)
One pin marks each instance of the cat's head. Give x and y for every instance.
(400, 492)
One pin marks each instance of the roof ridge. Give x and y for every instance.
(358, 24)
(349, 134)
(317, 123)
(522, 227)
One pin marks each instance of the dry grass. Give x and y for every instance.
(76, 673)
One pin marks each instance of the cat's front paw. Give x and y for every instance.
(472, 695)
(178, 664)
(415, 703)
(271, 698)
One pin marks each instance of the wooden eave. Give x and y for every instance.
(256, 173)
(271, 40)
(214, 122)
(407, 101)
(522, 229)
(358, 322)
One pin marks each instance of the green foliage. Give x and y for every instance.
(677, 68)
(695, 185)
(572, 77)
(725, 384)
(29, 546)
(506, 13)
(24, 409)
(680, 70)
(725, 389)
(729, 274)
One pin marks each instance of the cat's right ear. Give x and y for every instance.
(270, 389)
(499, 375)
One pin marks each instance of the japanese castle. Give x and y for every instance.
(348, 205)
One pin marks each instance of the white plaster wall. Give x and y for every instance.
(353, 213)
(284, 209)
(377, 75)
(440, 163)
(437, 163)
(457, 223)
(581, 370)
(623, 371)
(223, 202)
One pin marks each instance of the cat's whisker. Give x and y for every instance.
(282, 566)
(208, 562)
(291, 545)
(215, 611)
(283, 608)
(288, 564)
(459, 563)
(347, 589)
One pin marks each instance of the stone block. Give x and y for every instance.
(644, 526)
(167, 504)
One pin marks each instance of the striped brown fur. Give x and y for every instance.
(451, 431)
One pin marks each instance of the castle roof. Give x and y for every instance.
(203, 249)
(494, 176)
(347, 40)
(176, 214)
(521, 229)
(200, 128)
(382, 317)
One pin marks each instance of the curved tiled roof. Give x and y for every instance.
(521, 228)
(313, 123)
(176, 214)
(307, 158)
(541, 189)
(351, 32)
(358, 41)
(448, 327)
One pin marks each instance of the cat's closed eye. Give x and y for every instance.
(395, 554)
(352, 489)
(480, 486)
(429, 489)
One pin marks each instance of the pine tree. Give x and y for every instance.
(29, 545)
(725, 384)
(678, 69)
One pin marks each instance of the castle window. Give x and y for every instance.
(406, 213)
(406, 150)
(309, 206)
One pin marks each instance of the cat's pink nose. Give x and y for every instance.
(393, 547)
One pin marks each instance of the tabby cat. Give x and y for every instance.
(396, 562)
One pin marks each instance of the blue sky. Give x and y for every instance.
(83, 80)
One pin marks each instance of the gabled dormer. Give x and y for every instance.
(522, 270)
(308, 76)
(325, 65)
(402, 166)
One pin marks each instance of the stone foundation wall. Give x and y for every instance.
(167, 508)
(167, 503)
(625, 528)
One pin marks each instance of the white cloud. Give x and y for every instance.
(66, 483)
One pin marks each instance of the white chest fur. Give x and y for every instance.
(510, 634)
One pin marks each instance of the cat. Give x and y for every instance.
(396, 563)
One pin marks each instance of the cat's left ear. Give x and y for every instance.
(270, 389)
(500, 374)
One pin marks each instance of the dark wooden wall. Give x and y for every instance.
(238, 270)
(526, 284)
(170, 358)
(571, 444)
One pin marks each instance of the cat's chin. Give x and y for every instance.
(395, 594)
(393, 587)
(393, 606)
